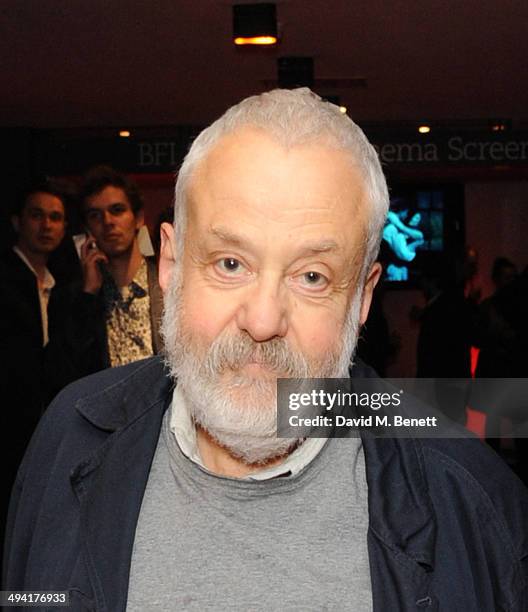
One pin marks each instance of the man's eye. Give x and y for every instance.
(117, 209)
(229, 265)
(314, 279)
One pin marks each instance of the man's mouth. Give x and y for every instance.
(260, 369)
(255, 366)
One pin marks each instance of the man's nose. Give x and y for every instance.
(264, 313)
(108, 218)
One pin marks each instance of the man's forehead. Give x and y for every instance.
(106, 197)
(249, 140)
(312, 206)
(40, 200)
(251, 163)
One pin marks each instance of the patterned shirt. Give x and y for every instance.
(128, 327)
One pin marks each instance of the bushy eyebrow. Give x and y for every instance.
(309, 248)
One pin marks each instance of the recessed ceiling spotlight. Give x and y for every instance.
(124, 134)
(424, 129)
(343, 109)
(254, 24)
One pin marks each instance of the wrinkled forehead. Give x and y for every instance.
(250, 175)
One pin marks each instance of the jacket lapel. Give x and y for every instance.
(110, 483)
(402, 529)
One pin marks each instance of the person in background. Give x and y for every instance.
(446, 334)
(444, 340)
(468, 268)
(500, 335)
(493, 335)
(117, 312)
(511, 304)
(28, 325)
(503, 272)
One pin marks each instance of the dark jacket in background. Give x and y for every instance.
(30, 374)
(445, 337)
(447, 519)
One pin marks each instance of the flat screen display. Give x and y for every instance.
(423, 222)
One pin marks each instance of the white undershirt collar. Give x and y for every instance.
(44, 287)
(184, 431)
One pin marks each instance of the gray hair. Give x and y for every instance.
(294, 117)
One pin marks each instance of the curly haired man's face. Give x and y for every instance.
(111, 221)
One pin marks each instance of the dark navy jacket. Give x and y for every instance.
(448, 521)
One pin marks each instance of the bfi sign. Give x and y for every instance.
(158, 154)
(473, 149)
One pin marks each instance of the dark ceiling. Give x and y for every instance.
(70, 63)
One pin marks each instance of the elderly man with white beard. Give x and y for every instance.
(164, 485)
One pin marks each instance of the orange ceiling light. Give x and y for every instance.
(255, 40)
(255, 24)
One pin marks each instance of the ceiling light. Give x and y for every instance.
(254, 24)
(343, 109)
(424, 129)
(124, 133)
(498, 127)
(255, 40)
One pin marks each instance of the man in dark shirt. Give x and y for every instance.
(27, 322)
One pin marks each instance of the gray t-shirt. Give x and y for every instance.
(208, 542)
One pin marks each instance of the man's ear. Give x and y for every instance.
(167, 257)
(372, 280)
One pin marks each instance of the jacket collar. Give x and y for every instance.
(116, 406)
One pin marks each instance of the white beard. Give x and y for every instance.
(237, 409)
